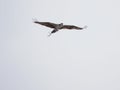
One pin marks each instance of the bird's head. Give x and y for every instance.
(61, 25)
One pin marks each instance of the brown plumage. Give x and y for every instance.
(58, 27)
(71, 27)
(47, 24)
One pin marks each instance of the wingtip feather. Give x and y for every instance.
(34, 20)
(85, 27)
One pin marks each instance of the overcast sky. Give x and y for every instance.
(68, 60)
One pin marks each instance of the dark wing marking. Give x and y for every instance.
(71, 27)
(47, 24)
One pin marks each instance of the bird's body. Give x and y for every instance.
(57, 27)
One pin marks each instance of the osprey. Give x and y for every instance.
(57, 27)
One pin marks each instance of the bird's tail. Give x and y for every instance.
(49, 34)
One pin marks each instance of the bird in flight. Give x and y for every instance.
(57, 27)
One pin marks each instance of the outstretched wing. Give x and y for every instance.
(71, 27)
(47, 24)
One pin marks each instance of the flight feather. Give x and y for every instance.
(47, 24)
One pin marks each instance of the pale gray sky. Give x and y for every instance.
(68, 60)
